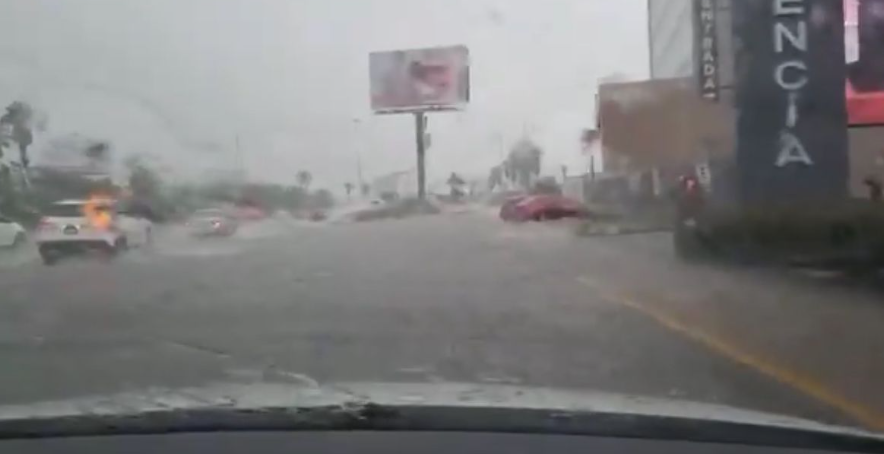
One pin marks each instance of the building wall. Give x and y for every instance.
(661, 123)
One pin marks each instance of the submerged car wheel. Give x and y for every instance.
(48, 256)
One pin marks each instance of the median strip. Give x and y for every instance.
(807, 385)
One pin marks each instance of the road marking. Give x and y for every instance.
(864, 415)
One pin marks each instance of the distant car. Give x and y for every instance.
(212, 222)
(80, 226)
(542, 207)
(12, 234)
(250, 213)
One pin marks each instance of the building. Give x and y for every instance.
(692, 43)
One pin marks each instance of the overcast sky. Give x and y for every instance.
(170, 77)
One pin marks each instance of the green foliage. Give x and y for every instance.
(49, 186)
(19, 116)
(144, 182)
(304, 178)
(322, 199)
(274, 196)
(854, 224)
(523, 163)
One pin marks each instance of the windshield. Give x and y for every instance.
(667, 199)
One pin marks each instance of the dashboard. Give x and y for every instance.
(375, 442)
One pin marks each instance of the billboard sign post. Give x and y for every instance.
(418, 81)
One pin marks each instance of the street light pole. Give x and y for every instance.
(238, 160)
(356, 123)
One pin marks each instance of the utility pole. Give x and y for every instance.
(420, 126)
(357, 146)
(238, 160)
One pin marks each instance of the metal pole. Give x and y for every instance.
(239, 162)
(419, 127)
(356, 124)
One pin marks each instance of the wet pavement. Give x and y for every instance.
(458, 297)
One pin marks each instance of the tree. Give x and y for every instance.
(17, 120)
(495, 177)
(304, 179)
(147, 197)
(143, 181)
(272, 197)
(524, 162)
(349, 188)
(323, 199)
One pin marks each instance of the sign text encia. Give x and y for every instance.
(790, 74)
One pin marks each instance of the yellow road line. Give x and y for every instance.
(864, 415)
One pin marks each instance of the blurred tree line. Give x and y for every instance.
(25, 191)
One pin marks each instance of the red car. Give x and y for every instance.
(541, 207)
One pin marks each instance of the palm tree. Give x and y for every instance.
(15, 128)
(304, 179)
(18, 119)
(524, 162)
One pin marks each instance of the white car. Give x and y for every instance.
(12, 234)
(79, 226)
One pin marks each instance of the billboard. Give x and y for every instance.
(413, 80)
(789, 99)
(864, 54)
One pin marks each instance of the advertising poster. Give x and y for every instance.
(419, 79)
(864, 54)
(789, 99)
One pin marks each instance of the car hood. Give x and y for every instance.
(307, 394)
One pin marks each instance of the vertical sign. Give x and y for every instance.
(705, 31)
(791, 119)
